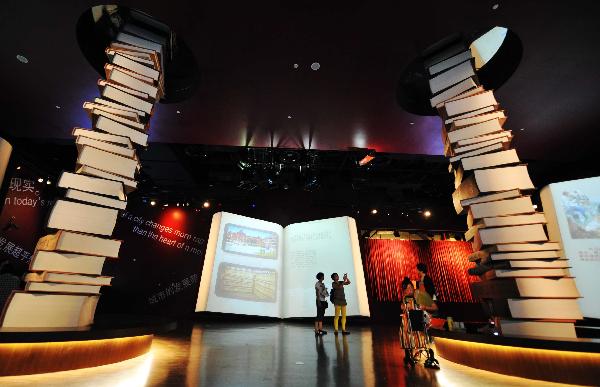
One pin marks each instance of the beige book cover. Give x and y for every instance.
(80, 217)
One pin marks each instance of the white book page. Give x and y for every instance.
(573, 212)
(320, 246)
(246, 271)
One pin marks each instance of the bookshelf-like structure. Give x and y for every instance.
(65, 273)
(525, 284)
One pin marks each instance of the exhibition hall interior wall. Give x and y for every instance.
(158, 269)
(161, 260)
(387, 262)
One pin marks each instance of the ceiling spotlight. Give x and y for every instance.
(19, 167)
(206, 204)
(153, 202)
(40, 180)
(166, 205)
(289, 116)
(367, 158)
(412, 123)
(427, 213)
(48, 181)
(178, 112)
(522, 129)
(22, 59)
(177, 204)
(495, 6)
(374, 211)
(58, 107)
(315, 66)
(187, 204)
(296, 65)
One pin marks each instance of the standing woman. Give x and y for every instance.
(321, 293)
(339, 300)
(407, 304)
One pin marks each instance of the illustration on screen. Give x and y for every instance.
(250, 241)
(583, 215)
(246, 283)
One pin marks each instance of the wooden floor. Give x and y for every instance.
(271, 354)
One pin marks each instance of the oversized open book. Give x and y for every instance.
(260, 268)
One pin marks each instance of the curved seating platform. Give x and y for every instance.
(112, 339)
(573, 361)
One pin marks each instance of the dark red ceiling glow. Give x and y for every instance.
(175, 218)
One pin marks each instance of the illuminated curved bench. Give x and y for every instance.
(574, 361)
(30, 351)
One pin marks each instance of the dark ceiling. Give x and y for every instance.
(246, 52)
(329, 184)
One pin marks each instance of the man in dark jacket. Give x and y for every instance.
(426, 279)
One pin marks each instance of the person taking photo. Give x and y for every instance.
(339, 301)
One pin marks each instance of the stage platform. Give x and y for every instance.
(111, 339)
(573, 361)
(269, 353)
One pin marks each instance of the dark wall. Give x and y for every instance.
(23, 215)
(157, 271)
(161, 258)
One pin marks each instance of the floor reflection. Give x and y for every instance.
(271, 354)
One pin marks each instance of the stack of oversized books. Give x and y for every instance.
(524, 282)
(65, 274)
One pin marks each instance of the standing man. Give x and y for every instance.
(426, 280)
(321, 293)
(339, 300)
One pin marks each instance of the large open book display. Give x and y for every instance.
(525, 281)
(63, 286)
(255, 267)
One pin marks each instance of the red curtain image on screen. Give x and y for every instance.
(387, 262)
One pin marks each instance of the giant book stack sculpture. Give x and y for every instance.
(63, 285)
(524, 282)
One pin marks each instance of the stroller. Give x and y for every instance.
(414, 335)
